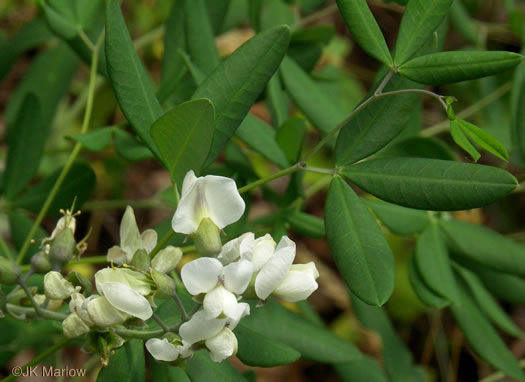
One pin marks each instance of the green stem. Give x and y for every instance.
(5, 249)
(160, 322)
(71, 160)
(262, 181)
(328, 171)
(162, 243)
(42, 356)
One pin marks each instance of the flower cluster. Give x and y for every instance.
(243, 268)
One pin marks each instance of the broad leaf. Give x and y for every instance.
(183, 136)
(366, 369)
(517, 109)
(275, 322)
(463, 23)
(290, 137)
(237, 82)
(127, 364)
(397, 357)
(95, 140)
(163, 372)
(505, 286)
(431, 184)
(399, 220)
(462, 141)
(417, 147)
(420, 20)
(174, 39)
(129, 147)
(483, 338)
(276, 100)
(309, 98)
(483, 139)
(25, 146)
(432, 263)
(364, 29)
(261, 138)
(200, 38)
(129, 79)
(377, 124)
(257, 350)
(217, 11)
(422, 290)
(485, 247)
(305, 224)
(78, 183)
(448, 67)
(200, 368)
(358, 246)
(488, 304)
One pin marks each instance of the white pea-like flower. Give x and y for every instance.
(221, 284)
(213, 197)
(125, 289)
(131, 240)
(73, 326)
(163, 350)
(102, 313)
(56, 287)
(299, 283)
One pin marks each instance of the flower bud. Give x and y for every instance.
(103, 314)
(53, 305)
(166, 260)
(165, 284)
(73, 326)
(62, 247)
(78, 305)
(207, 239)
(9, 272)
(40, 262)
(79, 280)
(141, 260)
(57, 287)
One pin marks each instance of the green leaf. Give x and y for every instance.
(126, 365)
(19, 226)
(399, 220)
(275, 12)
(366, 369)
(257, 350)
(448, 67)
(417, 147)
(25, 146)
(129, 79)
(364, 29)
(129, 148)
(397, 357)
(517, 109)
(377, 124)
(305, 224)
(504, 286)
(201, 368)
(358, 246)
(174, 39)
(487, 303)
(431, 184)
(237, 82)
(317, 33)
(483, 338)
(164, 372)
(462, 141)
(217, 11)
(58, 23)
(309, 98)
(420, 20)
(200, 38)
(78, 183)
(462, 22)
(432, 262)
(290, 137)
(95, 140)
(261, 138)
(49, 90)
(485, 247)
(275, 322)
(183, 136)
(422, 290)
(483, 139)
(276, 100)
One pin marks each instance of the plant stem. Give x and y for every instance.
(328, 171)
(180, 305)
(262, 181)
(5, 249)
(42, 356)
(72, 157)
(85, 39)
(160, 322)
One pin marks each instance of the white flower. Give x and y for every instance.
(236, 248)
(73, 326)
(78, 305)
(102, 313)
(220, 283)
(214, 197)
(125, 289)
(167, 259)
(263, 250)
(56, 287)
(163, 350)
(222, 346)
(131, 240)
(299, 283)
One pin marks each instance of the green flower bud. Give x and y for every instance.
(165, 284)
(9, 272)
(141, 260)
(40, 262)
(73, 326)
(56, 287)
(207, 239)
(102, 343)
(167, 259)
(62, 247)
(79, 280)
